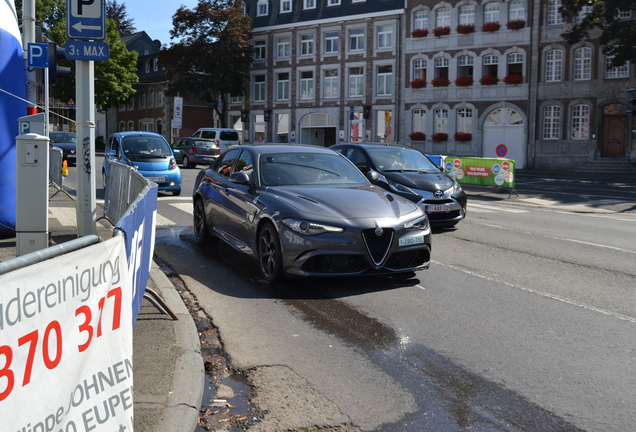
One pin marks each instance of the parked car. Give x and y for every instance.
(195, 151)
(150, 153)
(307, 211)
(67, 142)
(223, 137)
(409, 173)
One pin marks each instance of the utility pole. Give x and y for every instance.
(28, 36)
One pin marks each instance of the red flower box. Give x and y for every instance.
(417, 136)
(513, 79)
(419, 33)
(489, 80)
(491, 27)
(515, 24)
(464, 82)
(441, 31)
(463, 136)
(465, 28)
(440, 82)
(439, 137)
(418, 83)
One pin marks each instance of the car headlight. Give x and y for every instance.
(172, 164)
(310, 228)
(421, 223)
(398, 187)
(456, 188)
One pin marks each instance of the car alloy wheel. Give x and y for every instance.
(104, 179)
(186, 162)
(201, 232)
(269, 253)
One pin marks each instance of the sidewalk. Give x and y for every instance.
(168, 373)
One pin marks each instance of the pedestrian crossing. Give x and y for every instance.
(489, 208)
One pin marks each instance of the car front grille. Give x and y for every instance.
(378, 245)
(443, 216)
(335, 264)
(408, 259)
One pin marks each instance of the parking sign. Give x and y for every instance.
(86, 19)
(38, 55)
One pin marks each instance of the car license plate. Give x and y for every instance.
(407, 241)
(156, 179)
(439, 208)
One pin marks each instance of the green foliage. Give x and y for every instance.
(212, 58)
(617, 35)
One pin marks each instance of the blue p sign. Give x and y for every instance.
(38, 55)
(25, 127)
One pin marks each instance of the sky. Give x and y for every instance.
(155, 16)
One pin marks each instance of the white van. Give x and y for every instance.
(223, 137)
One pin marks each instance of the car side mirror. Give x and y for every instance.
(373, 176)
(240, 177)
(441, 169)
(112, 153)
(175, 151)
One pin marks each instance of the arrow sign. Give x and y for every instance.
(86, 19)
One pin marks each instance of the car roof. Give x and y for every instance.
(373, 145)
(137, 133)
(285, 148)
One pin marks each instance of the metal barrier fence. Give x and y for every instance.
(123, 185)
(55, 166)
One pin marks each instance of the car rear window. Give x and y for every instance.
(208, 134)
(229, 135)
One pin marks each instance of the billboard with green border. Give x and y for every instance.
(481, 171)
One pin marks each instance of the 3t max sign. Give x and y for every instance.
(86, 19)
(86, 50)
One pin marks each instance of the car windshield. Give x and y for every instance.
(400, 159)
(62, 137)
(288, 169)
(145, 147)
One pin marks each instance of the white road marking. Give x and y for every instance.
(163, 221)
(67, 216)
(184, 207)
(491, 208)
(420, 287)
(543, 294)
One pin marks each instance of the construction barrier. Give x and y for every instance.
(495, 172)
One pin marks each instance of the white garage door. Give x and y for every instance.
(505, 126)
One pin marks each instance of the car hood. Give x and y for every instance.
(65, 146)
(151, 164)
(346, 202)
(425, 181)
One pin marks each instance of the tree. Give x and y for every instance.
(50, 15)
(113, 78)
(117, 13)
(617, 34)
(213, 56)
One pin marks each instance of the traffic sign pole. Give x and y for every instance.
(85, 131)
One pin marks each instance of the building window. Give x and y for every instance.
(585, 11)
(155, 64)
(282, 47)
(553, 65)
(333, 2)
(236, 99)
(614, 71)
(260, 50)
(259, 88)
(467, 15)
(443, 17)
(282, 128)
(419, 120)
(306, 85)
(122, 126)
(385, 80)
(285, 6)
(515, 64)
(261, 8)
(147, 68)
(624, 14)
(151, 98)
(420, 20)
(465, 67)
(331, 42)
(580, 122)
(309, 4)
(517, 10)
(419, 69)
(554, 16)
(465, 120)
(491, 67)
(356, 39)
(131, 103)
(131, 126)
(331, 83)
(356, 81)
(307, 45)
(282, 86)
(582, 64)
(441, 67)
(491, 13)
(258, 120)
(142, 101)
(551, 122)
(385, 36)
(441, 120)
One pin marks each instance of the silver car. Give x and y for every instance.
(308, 211)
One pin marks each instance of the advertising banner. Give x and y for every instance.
(481, 171)
(139, 230)
(178, 113)
(66, 343)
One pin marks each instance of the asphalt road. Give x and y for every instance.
(525, 321)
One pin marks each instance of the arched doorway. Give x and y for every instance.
(318, 129)
(505, 126)
(613, 138)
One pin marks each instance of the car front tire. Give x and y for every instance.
(176, 192)
(270, 256)
(201, 232)
(185, 163)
